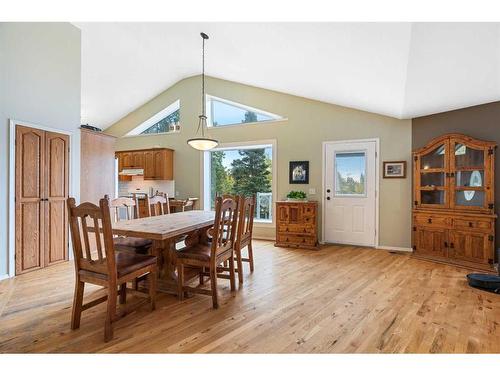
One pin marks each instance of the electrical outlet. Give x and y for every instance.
(312, 191)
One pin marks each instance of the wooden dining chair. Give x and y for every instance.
(155, 206)
(244, 231)
(104, 267)
(166, 205)
(131, 206)
(211, 256)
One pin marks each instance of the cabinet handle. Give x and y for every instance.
(452, 246)
(445, 244)
(470, 224)
(429, 220)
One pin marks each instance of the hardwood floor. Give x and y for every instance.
(340, 299)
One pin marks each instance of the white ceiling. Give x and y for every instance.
(402, 70)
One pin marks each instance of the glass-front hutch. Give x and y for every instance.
(454, 213)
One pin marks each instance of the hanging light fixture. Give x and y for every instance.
(202, 143)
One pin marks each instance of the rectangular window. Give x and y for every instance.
(350, 173)
(245, 170)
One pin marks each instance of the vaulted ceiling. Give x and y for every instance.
(402, 70)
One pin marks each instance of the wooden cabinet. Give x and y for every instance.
(453, 208)
(157, 163)
(296, 224)
(41, 188)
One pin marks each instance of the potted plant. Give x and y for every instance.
(296, 196)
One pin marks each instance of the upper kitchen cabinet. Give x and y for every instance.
(153, 164)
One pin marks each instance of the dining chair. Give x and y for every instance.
(104, 267)
(244, 233)
(131, 206)
(155, 206)
(166, 205)
(210, 256)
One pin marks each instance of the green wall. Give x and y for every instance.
(299, 138)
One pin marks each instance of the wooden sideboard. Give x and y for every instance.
(453, 208)
(158, 163)
(297, 224)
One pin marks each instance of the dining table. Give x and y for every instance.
(166, 231)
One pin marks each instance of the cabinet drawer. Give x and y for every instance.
(309, 211)
(472, 224)
(296, 228)
(432, 221)
(297, 239)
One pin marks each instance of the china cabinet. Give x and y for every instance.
(453, 208)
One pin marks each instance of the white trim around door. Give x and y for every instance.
(74, 154)
(377, 183)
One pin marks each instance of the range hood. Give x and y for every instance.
(132, 172)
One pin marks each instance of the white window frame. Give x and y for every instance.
(137, 131)
(206, 169)
(208, 101)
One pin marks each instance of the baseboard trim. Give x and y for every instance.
(264, 238)
(3, 277)
(395, 248)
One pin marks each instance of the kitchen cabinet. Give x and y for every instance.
(157, 163)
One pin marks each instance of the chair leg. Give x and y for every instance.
(123, 293)
(250, 255)
(180, 281)
(240, 266)
(152, 288)
(232, 275)
(202, 278)
(110, 313)
(213, 285)
(76, 314)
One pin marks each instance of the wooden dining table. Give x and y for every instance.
(165, 231)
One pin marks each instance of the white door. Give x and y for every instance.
(349, 192)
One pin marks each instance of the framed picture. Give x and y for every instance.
(299, 172)
(394, 169)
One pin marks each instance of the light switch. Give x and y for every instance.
(312, 191)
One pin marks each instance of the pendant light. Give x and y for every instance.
(202, 143)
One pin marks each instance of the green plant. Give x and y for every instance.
(296, 195)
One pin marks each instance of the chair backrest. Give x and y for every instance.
(155, 205)
(166, 205)
(100, 225)
(224, 233)
(246, 209)
(131, 205)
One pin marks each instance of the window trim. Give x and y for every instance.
(171, 108)
(205, 173)
(209, 98)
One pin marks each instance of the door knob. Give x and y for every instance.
(327, 190)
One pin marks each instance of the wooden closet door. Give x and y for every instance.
(57, 183)
(30, 159)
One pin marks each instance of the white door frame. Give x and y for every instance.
(12, 183)
(377, 183)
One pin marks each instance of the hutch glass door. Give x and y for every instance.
(432, 169)
(469, 173)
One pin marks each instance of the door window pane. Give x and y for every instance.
(468, 157)
(350, 173)
(434, 159)
(432, 197)
(469, 178)
(469, 198)
(432, 179)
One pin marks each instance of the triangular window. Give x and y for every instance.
(165, 121)
(222, 112)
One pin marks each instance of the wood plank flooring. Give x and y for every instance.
(341, 299)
